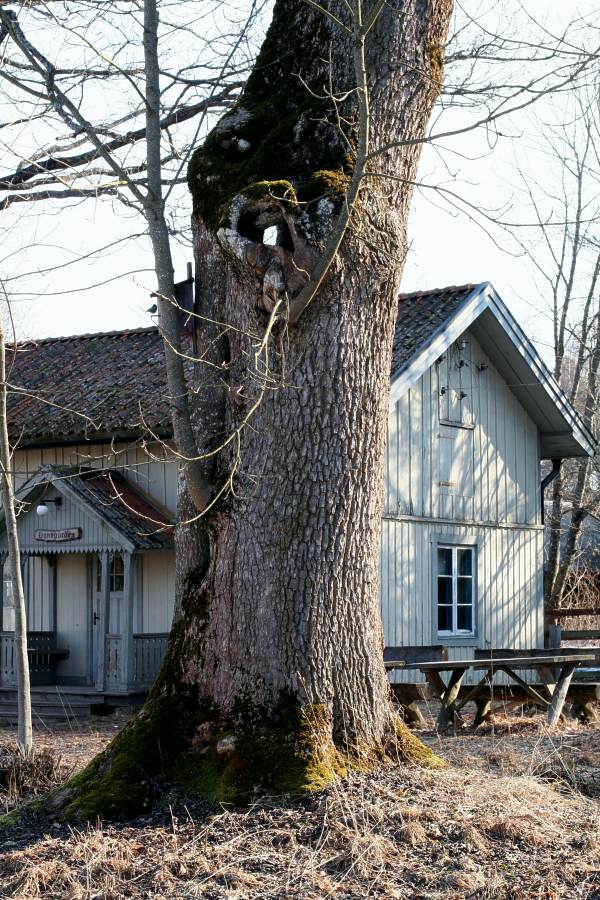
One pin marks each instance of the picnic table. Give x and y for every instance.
(555, 670)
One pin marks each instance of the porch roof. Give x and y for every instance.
(133, 519)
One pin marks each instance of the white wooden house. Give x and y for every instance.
(473, 412)
(89, 418)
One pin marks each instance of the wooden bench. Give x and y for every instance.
(43, 655)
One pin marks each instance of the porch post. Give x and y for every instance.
(51, 562)
(100, 625)
(127, 660)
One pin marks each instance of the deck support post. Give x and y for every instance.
(447, 711)
(560, 694)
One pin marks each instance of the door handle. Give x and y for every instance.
(96, 618)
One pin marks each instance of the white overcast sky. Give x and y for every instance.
(446, 247)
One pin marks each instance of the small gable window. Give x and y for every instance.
(455, 591)
(455, 386)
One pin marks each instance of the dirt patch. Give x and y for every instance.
(495, 824)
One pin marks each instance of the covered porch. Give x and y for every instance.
(98, 571)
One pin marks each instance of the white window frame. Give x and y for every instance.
(454, 548)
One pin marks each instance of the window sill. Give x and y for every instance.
(456, 640)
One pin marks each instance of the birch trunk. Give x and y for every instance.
(274, 677)
(24, 729)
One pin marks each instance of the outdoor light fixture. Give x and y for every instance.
(42, 509)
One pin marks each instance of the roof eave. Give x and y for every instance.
(100, 437)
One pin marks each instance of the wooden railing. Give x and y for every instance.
(148, 654)
(7, 658)
(43, 656)
(556, 633)
(114, 678)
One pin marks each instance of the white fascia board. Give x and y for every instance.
(61, 485)
(444, 337)
(527, 350)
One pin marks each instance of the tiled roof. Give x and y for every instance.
(119, 502)
(91, 385)
(420, 315)
(114, 384)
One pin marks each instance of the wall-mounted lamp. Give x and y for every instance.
(42, 509)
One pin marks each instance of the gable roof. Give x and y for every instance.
(133, 517)
(430, 321)
(91, 386)
(113, 385)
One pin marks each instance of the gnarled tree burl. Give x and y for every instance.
(274, 679)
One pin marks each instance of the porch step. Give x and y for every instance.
(8, 712)
(55, 703)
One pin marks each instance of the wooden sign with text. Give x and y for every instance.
(65, 534)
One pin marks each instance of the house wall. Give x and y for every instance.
(158, 592)
(38, 593)
(479, 483)
(156, 579)
(156, 476)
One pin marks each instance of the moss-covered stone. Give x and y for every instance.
(279, 130)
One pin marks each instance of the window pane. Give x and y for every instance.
(444, 618)
(464, 615)
(444, 590)
(117, 573)
(444, 561)
(465, 590)
(465, 562)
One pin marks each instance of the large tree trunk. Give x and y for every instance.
(274, 676)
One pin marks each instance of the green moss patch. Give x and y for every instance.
(411, 749)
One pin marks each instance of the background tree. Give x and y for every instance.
(565, 251)
(14, 581)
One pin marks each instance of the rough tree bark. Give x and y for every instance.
(274, 677)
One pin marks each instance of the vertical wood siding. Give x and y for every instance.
(509, 598)
(492, 468)
(158, 591)
(150, 470)
(478, 484)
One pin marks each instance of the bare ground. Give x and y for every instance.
(515, 815)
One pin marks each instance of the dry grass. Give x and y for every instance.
(24, 775)
(495, 824)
